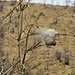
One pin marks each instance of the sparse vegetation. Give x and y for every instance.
(1, 7)
(17, 39)
(58, 55)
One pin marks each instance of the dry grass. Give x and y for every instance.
(62, 19)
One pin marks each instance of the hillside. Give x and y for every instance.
(61, 18)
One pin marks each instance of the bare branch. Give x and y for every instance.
(1, 70)
(12, 36)
(12, 10)
(7, 23)
(11, 68)
(26, 20)
(34, 47)
(26, 45)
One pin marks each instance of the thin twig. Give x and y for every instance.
(12, 36)
(14, 66)
(1, 70)
(34, 47)
(12, 10)
(11, 68)
(29, 58)
(26, 20)
(9, 28)
(20, 30)
(26, 45)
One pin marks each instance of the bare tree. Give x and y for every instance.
(67, 2)
(74, 3)
(25, 31)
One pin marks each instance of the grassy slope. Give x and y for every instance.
(65, 24)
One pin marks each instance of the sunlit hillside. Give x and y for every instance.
(45, 60)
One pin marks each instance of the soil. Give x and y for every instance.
(60, 18)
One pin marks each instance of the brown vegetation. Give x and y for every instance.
(39, 60)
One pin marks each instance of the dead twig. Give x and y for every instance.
(12, 10)
(11, 68)
(26, 45)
